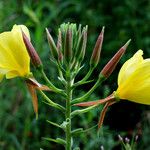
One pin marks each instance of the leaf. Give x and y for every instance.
(76, 131)
(78, 112)
(54, 124)
(58, 140)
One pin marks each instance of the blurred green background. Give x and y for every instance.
(123, 20)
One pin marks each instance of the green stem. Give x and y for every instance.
(55, 89)
(81, 111)
(51, 103)
(85, 78)
(68, 112)
(84, 97)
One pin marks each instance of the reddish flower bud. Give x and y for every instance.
(97, 49)
(59, 46)
(111, 65)
(68, 44)
(31, 51)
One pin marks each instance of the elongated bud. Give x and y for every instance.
(111, 65)
(97, 50)
(52, 45)
(36, 61)
(73, 41)
(68, 48)
(82, 54)
(81, 45)
(59, 46)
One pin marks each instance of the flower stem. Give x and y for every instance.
(68, 112)
(55, 89)
(84, 97)
(51, 103)
(85, 78)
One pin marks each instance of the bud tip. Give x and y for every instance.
(103, 29)
(128, 42)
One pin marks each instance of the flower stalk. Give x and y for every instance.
(68, 111)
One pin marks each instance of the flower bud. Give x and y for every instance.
(81, 45)
(36, 61)
(111, 65)
(97, 50)
(82, 54)
(68, 45)
(59, 46)
(52, 45)
(73, 42)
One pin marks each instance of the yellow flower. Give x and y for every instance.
(134, 79)
(14, 58)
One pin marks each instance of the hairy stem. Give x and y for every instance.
(85, 78)
(68, 112)
(55, 89)
(84, 97)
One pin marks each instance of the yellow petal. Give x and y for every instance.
(137, 87)
(13, 54)
(130, 66)
(18, 28)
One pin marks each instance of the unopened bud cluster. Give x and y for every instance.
(71, 43)
(70, 49)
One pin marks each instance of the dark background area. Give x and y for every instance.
(122, 20)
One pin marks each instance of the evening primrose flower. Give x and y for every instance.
(133, 85)
(134, 80)
(14, 58)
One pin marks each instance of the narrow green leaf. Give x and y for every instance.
(78, 112)
(76, 131)
(54, 124)
(58, 140)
